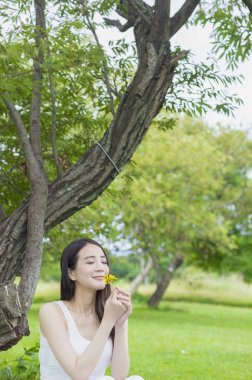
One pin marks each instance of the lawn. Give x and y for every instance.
(179, 341)
(192, 341)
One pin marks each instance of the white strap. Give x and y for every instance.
(67, 314)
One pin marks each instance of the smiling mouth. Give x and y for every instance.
(99, 277)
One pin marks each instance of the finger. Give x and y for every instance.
(120, 294)
(123, 298)
(128, 307)
(127, 304)
(123, 291)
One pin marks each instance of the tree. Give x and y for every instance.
(39, 48)
(187, 197)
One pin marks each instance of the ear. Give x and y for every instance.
(71, 275)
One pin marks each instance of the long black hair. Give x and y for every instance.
(69, 259)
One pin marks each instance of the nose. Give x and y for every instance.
(99, 267)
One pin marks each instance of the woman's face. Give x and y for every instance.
(91, 268)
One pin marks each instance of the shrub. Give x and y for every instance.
(24, 367)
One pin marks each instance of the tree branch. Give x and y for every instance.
(182, 16)
(53, 127)
(105, 67)
(142, 9)
(161, 25)
(37, 81)
(18, 74)
(135, 9)
(34, 244)
(118, 25)
(30, 159)
(182, 54)
(145, 268)
(36, 212)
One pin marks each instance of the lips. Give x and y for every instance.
(99, 277)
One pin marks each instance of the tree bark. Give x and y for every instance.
(13, 322)
(144, 270)
(16, 323)
(38, 61)
(164, 281)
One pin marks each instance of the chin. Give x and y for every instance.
(100, 285)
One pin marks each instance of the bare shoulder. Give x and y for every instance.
(50, 310)
(46, 308)
(51, 316)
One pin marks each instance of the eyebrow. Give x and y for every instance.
(93, 257)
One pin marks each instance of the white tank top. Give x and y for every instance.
(50, 369)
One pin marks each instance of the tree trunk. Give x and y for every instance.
(164, 282)
(13, 322)
(145, 268)
(97, 168)
(90, 176)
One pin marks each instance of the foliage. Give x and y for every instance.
(200, 87)
(75, 64)
(241, 261)
(232, 27)
(24, 367)
(190, 191)
(125, 266)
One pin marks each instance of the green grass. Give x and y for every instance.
(180, 340)
(189, 341)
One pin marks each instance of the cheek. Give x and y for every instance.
(84, 270)
(88, 269)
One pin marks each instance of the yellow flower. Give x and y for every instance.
(108, 278)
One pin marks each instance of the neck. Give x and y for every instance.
(83, 300)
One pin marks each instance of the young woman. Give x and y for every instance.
(87, 329)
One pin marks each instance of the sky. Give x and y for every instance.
(197, 40)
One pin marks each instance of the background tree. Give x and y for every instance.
(187, 199)
(50, 53)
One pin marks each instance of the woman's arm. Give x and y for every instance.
(54, 329)
(120, 358)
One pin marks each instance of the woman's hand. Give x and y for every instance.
(114, 308)
(125, 299)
